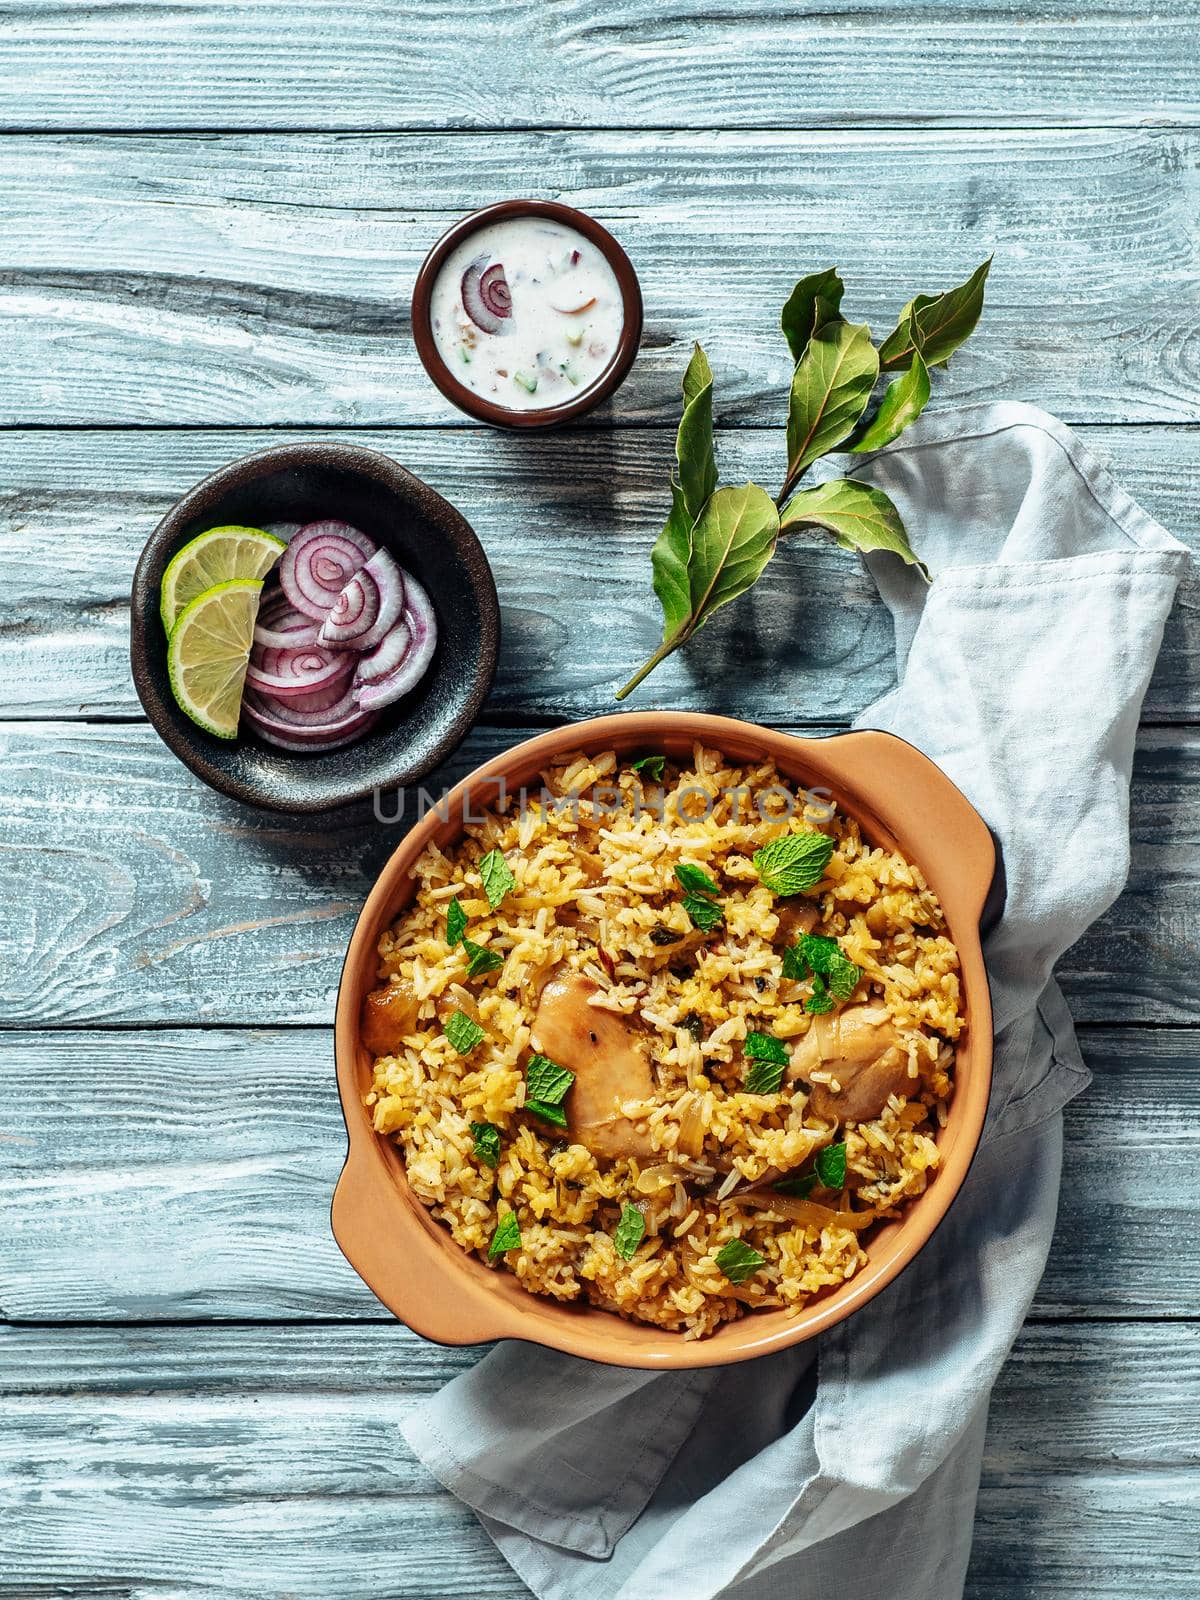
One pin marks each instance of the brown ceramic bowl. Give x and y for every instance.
(302, 483)
(410, 1261)
(487, 410)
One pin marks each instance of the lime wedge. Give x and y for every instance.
(211, 558)
(208, 651)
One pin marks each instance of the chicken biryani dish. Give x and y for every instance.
(668, 1037)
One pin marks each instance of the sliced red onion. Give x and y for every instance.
(306, 670)
(281, 626)
(340, 697)
(369, 605)
(491, 306)
(321, 731)
(319, 563)
(387, 656)
(422, 625)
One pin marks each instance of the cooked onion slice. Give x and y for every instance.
(422, 626)
(368, 607)
(319, 563)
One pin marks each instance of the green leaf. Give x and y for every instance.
(506, 1237)
(936, 324)
(546, 1081)
(830, 389)
(738, 1261)
(764, 1077)
(794, 965)
(456, 922)
(859, 516)
(487, 1143)
(766, 1047)
(547, 1112)
(694, 880)
(831, 1165)
(462, 1033)
(481, 959)
(652, 766)
(496, 877)
(903, 403)
(820, 1001)
(725, 554)
(631, 1230)
(802, 1185)
(814, 301)
(694, 442)
(793, 863)
(824, 957)
(703, 912)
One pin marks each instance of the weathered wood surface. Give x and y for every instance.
(135, 895)
(244, 1461)
(369, 64)
(265, 279)
(187, 1173)
(812, 643)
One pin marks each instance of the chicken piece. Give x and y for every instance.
(859, 1047)
(387, 1015)
(797, 915)
(609, 1061)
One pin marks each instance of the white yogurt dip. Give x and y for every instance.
(526, 313)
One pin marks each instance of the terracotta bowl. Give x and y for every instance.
(487, 410)
(901, 800)
(303, 483)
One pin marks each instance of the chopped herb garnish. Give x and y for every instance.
(794, 965)
(693, 880)
(652, 766)
(462, 1033)
(802, 1185)
(547, 1112)
(766, 1047)
(693, 1023)
(831, 1165)
(496, 877)
(506, 1237)
(481, 959)
(487, 1143)
(794, 863)
(824, 957)
(456, 922)
(764, 1077)
(546, 1081)
(631, 1230)
(661, 934)
(703, 913)
(738, 1261)
(820, 1001)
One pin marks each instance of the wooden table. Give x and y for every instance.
(210, 219)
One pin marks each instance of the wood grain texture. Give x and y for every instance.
(368, 65)
(813, 642)
(154, 1462)
(185, 1173)
(265, 279)
(135, 895)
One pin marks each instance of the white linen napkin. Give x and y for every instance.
(1022, 671)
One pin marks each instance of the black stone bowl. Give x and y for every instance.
(303, 483)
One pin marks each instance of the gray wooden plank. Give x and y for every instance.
(365, 65)
(133, 894)
(266, 278)
(235, 1461)
(187, 1173)
(812, 641)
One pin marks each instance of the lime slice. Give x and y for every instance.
(208, 651)
(211, 558)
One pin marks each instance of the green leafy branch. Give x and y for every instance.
(718, 539)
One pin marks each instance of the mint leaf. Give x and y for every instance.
(738, 1261)
(496, 878)
(652, 766)
(824, 956)
(546, 1081)
(630, 1232)
(694, 442)
(487, 1143)
(794, 965)
(830, 389)
(481, 959)
(462, 1033)
(814, 301)
(766, 1047)
(793, 863)
(506, 1237)
(764, 1077)
(801, 1186)
(831, 1165)
(859, 516)
(820, 1001)
(937, 324)
(703, 913)
(694, 880)
(547, 1112)
(456, 922)
(903, 403)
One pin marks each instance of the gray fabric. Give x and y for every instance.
(839, 1466)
